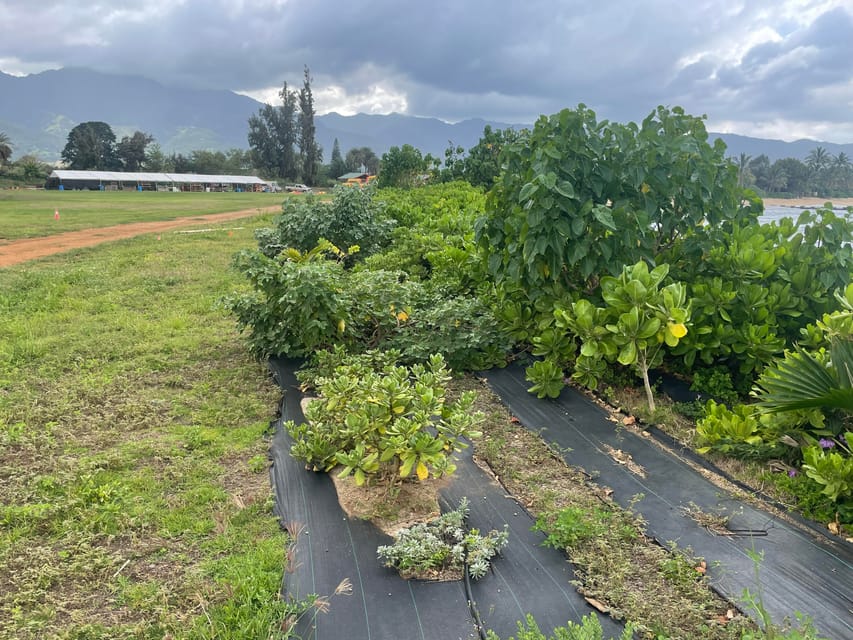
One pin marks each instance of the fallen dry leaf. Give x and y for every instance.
(603, 608)
(834, 528)
(629, 420)
(625, 458)
(702, 567)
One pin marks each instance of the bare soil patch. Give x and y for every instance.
(19, 251)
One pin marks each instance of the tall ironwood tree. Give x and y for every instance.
(310, 152)
(337, 166)
(272, 136)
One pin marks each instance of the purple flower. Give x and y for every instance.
(792, 473)
(825, 443)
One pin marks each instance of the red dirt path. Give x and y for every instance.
(19, 251)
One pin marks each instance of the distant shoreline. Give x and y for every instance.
(807, 203)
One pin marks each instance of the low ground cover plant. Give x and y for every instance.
(589, 628)
(443, 548)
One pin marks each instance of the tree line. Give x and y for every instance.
(822, 174)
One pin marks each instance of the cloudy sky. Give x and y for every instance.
(769, 68)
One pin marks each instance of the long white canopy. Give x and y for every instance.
(175, 178)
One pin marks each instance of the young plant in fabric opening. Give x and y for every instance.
(443, 544)
(639, 318)
(386, 425)
(803, 630)
(589, 628)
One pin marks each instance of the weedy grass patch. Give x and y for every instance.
(28, 213)
(134, 493)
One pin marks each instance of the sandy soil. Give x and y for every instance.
(806, 202)
(19, 251)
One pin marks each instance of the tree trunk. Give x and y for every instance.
(645, 371)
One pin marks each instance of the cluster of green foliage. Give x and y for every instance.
(403, 167)
(352, 218)
(482, 163)
(433, 239)
(386, 424)
(26, 170)
(753, 288)
(307, 300)
(578, 198)
(443, 544)
(804, 410)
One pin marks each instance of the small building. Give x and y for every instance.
(356, 178)
(71, 180)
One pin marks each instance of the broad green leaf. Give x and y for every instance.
(565, 189)
(628, 354)
(604, 216)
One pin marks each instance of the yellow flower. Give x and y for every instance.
(645, 188)
(402, 316)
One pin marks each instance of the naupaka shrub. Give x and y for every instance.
(389, 425)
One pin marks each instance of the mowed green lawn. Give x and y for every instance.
(28, 214)
(134, 491)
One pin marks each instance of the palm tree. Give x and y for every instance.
(743, 173)
(777, 178)
(842, 171)
(819, 161)
(5, 148)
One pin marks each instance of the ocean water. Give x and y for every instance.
(777, 213)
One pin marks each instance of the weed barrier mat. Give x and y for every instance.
(331, 547)
(800, 572)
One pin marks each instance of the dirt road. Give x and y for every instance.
(31, 248)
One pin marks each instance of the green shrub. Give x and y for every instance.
(832, 469)
(717, 382)
(351, 218)
(386, 425)
(736, 432)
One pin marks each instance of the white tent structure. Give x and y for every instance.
(65, 179)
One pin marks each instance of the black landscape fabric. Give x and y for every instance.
(332, 548)
(800, 571)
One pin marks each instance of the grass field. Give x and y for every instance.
(134, 493)
(27, 214)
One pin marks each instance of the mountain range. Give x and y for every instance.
(38, 111)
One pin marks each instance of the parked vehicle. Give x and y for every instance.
(298, 188)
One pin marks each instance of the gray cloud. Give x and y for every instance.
(762, 65)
